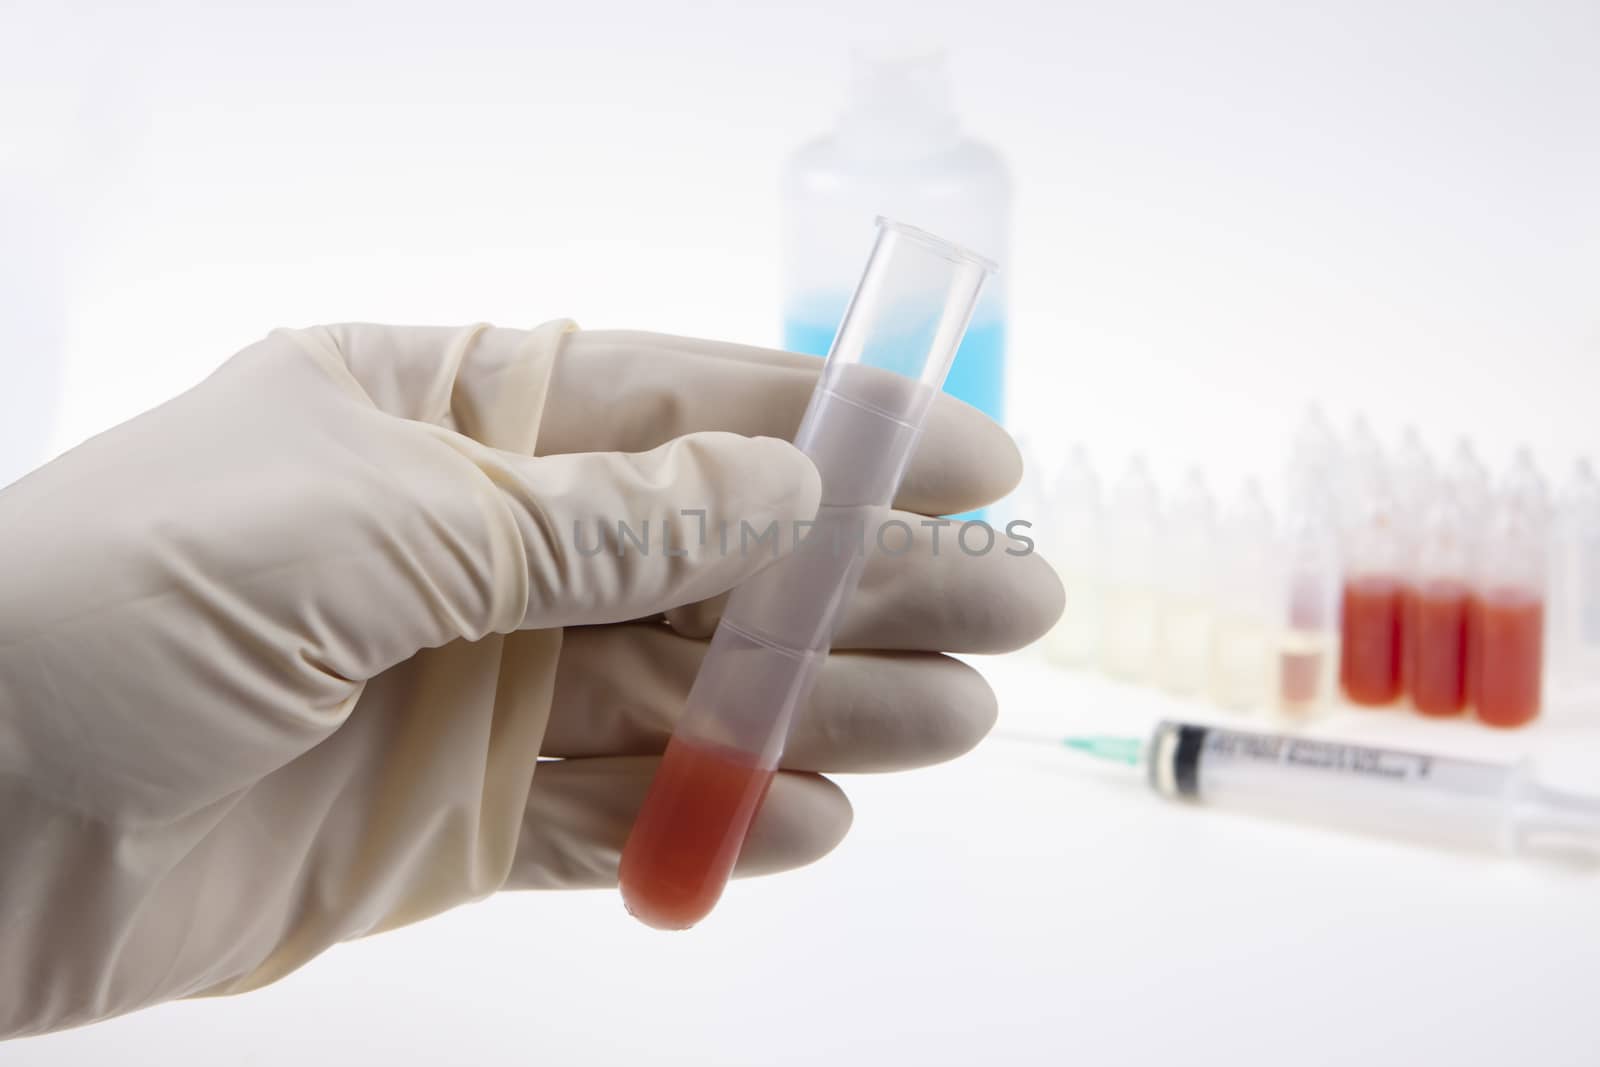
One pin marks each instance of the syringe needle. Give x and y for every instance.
(1129, 750)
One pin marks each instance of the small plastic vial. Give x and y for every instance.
(1575, 594)
(1188, 588)
(1373, 600)
(1505, 627)
(1070, 535)
(1242, 673)
(1133, 532)
(1438, 610)
(1414, 484)
(1308, 639)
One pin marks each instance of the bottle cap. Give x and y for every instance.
(1524, 490)
(899, 105)
(1469, 481)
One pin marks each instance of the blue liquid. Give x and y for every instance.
(977, 376)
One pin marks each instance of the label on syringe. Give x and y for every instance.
(1196, 755)
(1319, 755)
(1351, 786)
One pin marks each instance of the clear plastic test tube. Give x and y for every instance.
(888, 361)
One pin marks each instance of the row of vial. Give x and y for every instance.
(1389, 579)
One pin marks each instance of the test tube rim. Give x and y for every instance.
(933, 242)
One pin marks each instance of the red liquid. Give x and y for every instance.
(1299, 679)
(1474, 648)
(1369, 659)
(1508, 657)
(688, 834)
(1436, 648)
(1410, 601)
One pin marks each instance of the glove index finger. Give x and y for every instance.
(610, 536)
(677, 385)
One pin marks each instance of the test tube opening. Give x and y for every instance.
(909, 312)
(949, 249)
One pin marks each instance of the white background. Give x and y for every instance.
(1223, 210)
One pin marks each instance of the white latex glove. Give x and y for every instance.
(277, 658)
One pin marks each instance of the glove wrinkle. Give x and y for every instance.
(439, 403)
(318, 344)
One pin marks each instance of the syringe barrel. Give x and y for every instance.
(888, 361)
(1412, 795)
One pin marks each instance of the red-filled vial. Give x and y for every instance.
(1438, 605)
(1369, 648)
(1436, 647)
(683, 846)
(1505, 641)
(1419, 495)
(1508, 656)
(1372, 601)
(1308, 635)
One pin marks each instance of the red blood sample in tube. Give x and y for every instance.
(1436, 646)
(689, 832)
(1369, 660)
(1508, 649)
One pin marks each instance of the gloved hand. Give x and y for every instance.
(278, 658)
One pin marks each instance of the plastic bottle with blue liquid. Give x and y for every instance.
(897, 150)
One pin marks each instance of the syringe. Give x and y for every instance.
(1440, 799)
